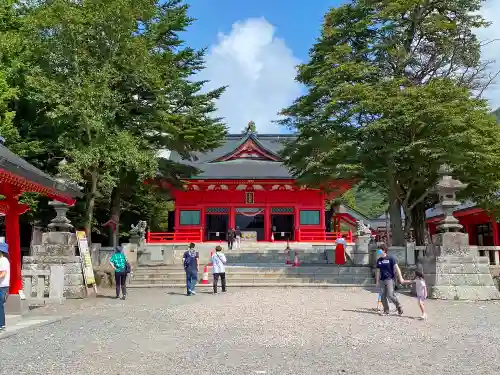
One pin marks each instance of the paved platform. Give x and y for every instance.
(16, 324)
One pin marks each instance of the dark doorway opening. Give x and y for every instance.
(216, 227)
(251, 224)
(282, 227)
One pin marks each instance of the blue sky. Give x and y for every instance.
(298, 22)
(254, 47)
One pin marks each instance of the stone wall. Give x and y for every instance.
(73, 276)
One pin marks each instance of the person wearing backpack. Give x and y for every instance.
(121, 266)
(191, 265)
(218, 269)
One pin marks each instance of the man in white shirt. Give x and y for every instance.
(218, 269)
(4, 281)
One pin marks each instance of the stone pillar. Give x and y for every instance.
(58, 248)
(452, 270)
(361, 253)
(410, 253)
(399, 253)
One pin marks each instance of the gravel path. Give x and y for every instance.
(257, 331)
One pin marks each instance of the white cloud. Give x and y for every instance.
(260, 71)
(491, 12)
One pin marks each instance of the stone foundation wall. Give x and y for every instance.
(73, 277)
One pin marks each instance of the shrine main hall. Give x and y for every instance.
(244, 183)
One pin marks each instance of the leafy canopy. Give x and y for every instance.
(390, 99)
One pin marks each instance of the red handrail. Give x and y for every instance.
(194, 235)
(318, 235)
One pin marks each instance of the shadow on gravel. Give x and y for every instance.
(183, 294)
(104, 296)
(365, 310)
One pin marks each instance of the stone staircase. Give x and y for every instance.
(258, 275)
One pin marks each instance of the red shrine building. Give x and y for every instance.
(243, 183)
(17, 176)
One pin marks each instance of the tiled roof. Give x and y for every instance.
(240, 168)
(16, 165)
(437, 211)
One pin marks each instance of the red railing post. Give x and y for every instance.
(349, 236)
(148, 237)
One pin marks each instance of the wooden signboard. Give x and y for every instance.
(86, 259)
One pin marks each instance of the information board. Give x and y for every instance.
(83, 246)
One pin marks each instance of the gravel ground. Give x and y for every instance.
(257, 331)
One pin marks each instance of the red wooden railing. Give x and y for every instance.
(318, 235)
(194, 235)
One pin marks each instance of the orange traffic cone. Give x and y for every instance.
(204, 280)
(296, 260)
(210, 261)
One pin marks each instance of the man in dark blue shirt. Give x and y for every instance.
(387, 270)
(191, 264)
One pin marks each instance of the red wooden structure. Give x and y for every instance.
(244, 184)
(16, 177)
(482, 228)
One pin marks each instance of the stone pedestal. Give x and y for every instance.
(58, 249)
(361, 252)
(399, 253)
(453, 271)
(130, 251)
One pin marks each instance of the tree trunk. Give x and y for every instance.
(115, 215)
(418, 223)
(397, 231)
(89, 212)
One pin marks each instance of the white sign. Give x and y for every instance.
(83, 246)
(216, 234)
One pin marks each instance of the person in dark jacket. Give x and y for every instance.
(231, 235)
(191, 265)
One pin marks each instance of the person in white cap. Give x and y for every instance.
(4, 281)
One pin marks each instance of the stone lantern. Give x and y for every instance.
(447, 188)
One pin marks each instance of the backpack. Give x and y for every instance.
(189, 259)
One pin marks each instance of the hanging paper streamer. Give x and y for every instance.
(249, 212)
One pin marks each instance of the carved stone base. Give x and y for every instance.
(459, 278)
(398, 252)
(361, 252)
(74, 286)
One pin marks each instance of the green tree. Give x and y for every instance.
(250, 128)
(115, 82)
(390, 100)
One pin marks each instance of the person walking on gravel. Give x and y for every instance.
(4, 282)
(386, 272)
(218, 269)
(191, 265)
(119, 263)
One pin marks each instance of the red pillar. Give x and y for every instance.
(267, 223)
(297, 223)
(494, 226)
(14, 241)
(232, 217)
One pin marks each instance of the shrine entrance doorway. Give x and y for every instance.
(251, 223)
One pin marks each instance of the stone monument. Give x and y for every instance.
(452, 270)
(58, 248)
(361, 252)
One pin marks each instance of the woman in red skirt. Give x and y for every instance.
(340, 250)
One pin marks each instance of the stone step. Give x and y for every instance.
(257, 285)
(260, 280)
(262, 270)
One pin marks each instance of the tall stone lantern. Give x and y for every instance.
(452, 270)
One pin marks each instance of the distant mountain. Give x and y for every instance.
(497, 113)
